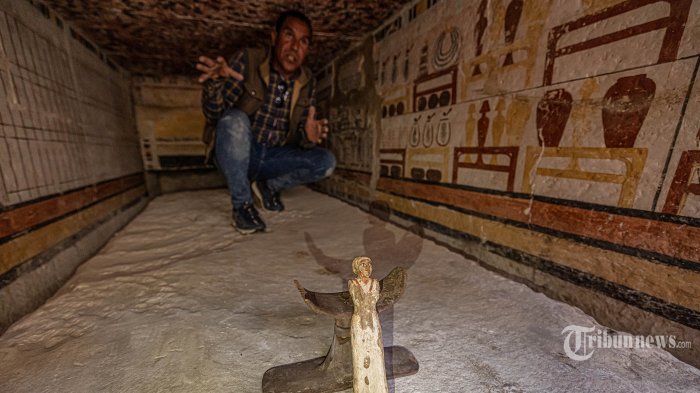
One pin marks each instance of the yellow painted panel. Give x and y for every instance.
(348, 187)
(35, 242)
(672, 284)
(180, 124)
(170, 123)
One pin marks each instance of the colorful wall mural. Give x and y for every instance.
(564, 138)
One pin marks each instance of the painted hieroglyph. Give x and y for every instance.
(580, 105)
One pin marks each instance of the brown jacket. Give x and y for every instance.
(255, 83)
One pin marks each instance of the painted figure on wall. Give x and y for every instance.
(479, 30)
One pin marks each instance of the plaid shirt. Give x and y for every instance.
(270, 123)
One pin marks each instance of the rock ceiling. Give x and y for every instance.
(165, 37)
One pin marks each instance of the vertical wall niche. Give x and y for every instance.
(559, 145)
(70, 169)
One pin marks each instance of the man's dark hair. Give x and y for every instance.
(293, 14)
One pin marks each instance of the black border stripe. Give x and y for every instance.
(622, 211)
(670, 311)
(44, 223)
(625, 294)
(672, 146)
(37, 261)
(4, 209)
(354, 171)
(632, 251)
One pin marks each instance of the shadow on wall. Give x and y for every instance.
(387, 252)
(379, 243)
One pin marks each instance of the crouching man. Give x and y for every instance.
(262, 131)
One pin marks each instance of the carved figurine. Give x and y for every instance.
(334, 372)
(369, 375)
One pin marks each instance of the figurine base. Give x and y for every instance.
(310, 376)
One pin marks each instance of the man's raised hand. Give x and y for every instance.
(214, 69)
(316, 130)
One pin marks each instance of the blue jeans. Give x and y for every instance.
(242, 160)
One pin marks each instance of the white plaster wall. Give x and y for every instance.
(66, 117)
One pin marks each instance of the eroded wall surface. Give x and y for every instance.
(69, 151)
(562, 136)
(346, 95)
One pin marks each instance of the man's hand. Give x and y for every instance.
(316, 130)
(214, 69)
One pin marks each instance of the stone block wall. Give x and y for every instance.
(70, 168)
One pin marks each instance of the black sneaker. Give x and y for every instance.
(247, 220)
(269, 200)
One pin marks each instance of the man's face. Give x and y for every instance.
(291, 46)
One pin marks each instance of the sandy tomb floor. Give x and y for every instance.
(179, 302)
